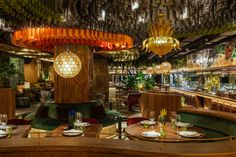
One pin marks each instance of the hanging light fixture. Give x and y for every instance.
(157, 69)
(160, 41)
(149, 70)
(165, 67)
(67, 64)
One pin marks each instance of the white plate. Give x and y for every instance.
(151, 134)
(3, 134)
(72, 132)
(189, 134)
(3, 127)
(180, 124)
(83, 124)
(148, 122)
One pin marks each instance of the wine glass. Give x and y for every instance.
(3, 119)
(78, 117)
(152, 116)
(173, 119)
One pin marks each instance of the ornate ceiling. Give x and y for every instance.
(131, 17)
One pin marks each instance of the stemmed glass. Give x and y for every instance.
(78, 117)
(3, 119)
(173, 119)
(152, 118)
(178, 119)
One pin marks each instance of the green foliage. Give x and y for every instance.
(6, 70)
(133, 81)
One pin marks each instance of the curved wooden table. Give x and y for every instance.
(134, 132)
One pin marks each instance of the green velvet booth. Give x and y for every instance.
(214, 123)
(57, 114)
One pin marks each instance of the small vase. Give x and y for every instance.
(162, 130)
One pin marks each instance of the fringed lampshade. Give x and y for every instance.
(67, 64)
(149, 70)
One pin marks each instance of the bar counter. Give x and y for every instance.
(155, 101)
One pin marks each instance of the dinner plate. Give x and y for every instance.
(190, 134)
(83, 124)
(3, 134)
(72, 132)
(180, 124)
(3, 127)
(148, 122)
(150, 134)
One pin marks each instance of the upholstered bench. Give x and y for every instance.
(51, 115)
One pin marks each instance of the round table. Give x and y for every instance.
(134, 131)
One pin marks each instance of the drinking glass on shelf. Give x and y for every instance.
(78, 117)
(3, 119)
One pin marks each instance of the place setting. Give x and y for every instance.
(76, 126)
(5, 129)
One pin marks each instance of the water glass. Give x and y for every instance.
(152, 116)
(3, 119)
(78, 117)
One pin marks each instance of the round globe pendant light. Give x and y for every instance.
(165, 67)
(149, 70)
(67, 64)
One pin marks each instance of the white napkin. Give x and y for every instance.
(151, 134)
(3, 132)
(73, 131)
(81, 124)
(189, 133)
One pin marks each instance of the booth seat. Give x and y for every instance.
(215, 123)
(51, 115)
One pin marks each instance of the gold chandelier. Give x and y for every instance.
(160, 41)
(67, 64)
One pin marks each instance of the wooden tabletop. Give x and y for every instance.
(21, 131)
(93, 131)
(134, 132)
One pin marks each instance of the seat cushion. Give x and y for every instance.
(42, 112)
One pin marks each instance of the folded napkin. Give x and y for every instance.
(151, 133)
(73, 131)
(81, 124)
(3, 132)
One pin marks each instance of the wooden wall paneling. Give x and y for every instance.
(157, 101)
(31, 72)
(77, 89)
(8, 102)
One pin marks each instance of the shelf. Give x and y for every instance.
(222, 68)
(205, 95)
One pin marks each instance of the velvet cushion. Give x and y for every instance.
(134, 120)
(52, 111)
(19, 122)
(97, 112)
(62, 113)
(90, 120)
(42, 112)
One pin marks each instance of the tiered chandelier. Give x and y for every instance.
(160, 41)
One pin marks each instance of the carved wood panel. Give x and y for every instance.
(77, 89)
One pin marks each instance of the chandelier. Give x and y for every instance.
(160, 41)
(67, 64)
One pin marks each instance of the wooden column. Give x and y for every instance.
(8, 102)
(77, 89)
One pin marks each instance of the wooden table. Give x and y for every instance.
(134, 132)
(21, 131)
(93, 131)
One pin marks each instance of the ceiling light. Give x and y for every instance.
(160, 41)
(67, 64)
